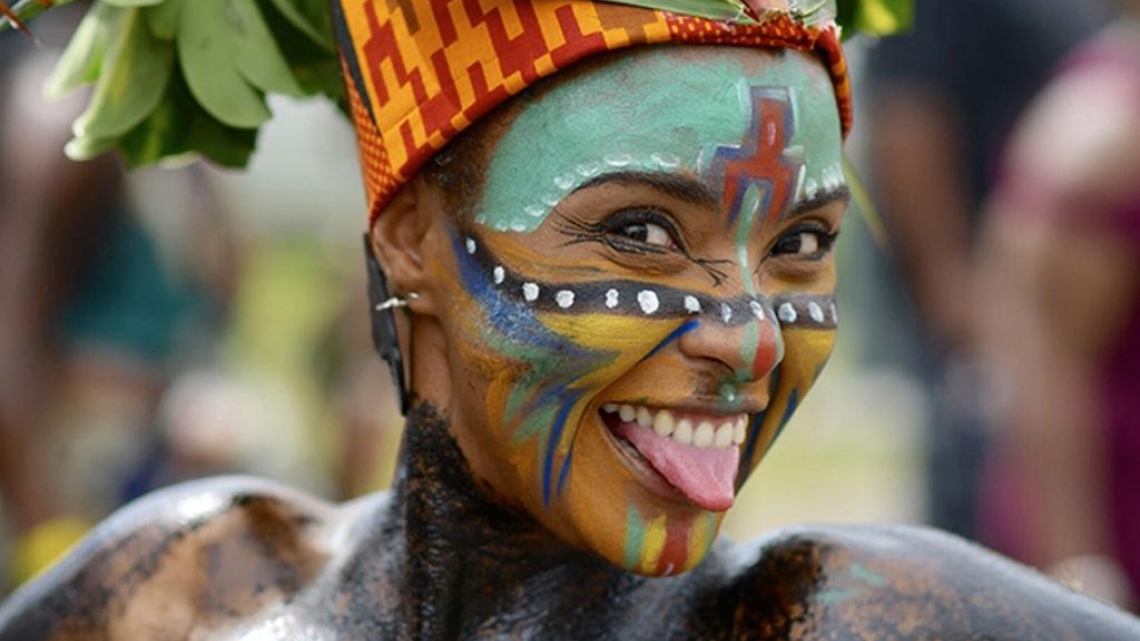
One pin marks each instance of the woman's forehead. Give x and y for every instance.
(666, 110)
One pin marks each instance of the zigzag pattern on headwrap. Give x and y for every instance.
(421, 71)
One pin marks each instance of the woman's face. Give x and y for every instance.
(644, 292)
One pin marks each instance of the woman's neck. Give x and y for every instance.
(465, 564)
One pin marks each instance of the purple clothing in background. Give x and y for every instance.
(1009, 499)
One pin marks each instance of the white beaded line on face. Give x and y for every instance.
(800, 310)
(565, 184)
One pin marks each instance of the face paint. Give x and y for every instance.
(621, 390)
(589, 137)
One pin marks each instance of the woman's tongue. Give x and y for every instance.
(706, 476)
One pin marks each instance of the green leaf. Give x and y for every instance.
(80, 62)
(321, 77)
(207, 57)
(310, 17)
(163, 19)
(226, 146)
(884, 17)
(714, 9)
(876, 17)
(134, 76)
(163, 134)
(316, 69)
(258, 57)
(87, 147)
(130, 4)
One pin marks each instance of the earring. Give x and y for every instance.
(384, 337)
(396, 301)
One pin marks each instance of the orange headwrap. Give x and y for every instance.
(420, 71)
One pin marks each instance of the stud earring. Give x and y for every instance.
(384, 337)
(396, 301)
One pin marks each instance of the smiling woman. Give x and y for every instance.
(636, 250)
(602, 302)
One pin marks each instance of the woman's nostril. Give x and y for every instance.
(749, 351)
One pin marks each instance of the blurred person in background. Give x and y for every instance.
(1060, 322)
(95, 306)
(943, 99)
(357, 388)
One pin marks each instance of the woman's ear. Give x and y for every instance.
(399, 237)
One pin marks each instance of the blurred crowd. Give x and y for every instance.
(1005, 152)
(167, 324)
(160, 326)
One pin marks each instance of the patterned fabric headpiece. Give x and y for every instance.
(421, 71)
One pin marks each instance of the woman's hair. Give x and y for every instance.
(458, 169)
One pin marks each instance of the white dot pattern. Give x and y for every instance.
(612, 298)
(815, 311)
(530, 292)
(810, 311)
(757, 309)
(648, 301)
(788, 313)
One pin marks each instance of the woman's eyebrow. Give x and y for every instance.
(681, 187)
(695, 192)
(820, 199)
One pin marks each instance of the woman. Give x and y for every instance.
(613, 291)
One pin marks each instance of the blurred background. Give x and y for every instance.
(165, 324)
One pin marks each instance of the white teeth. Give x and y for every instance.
(740, 431)
(704, 435)
(644, 417)
(723, 436)
(627, 413)
(684, 432)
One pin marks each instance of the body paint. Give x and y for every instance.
(551, 333)
(575, 136)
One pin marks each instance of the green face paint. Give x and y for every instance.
(567, 334)
(574, 133)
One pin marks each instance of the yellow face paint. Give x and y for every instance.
(692, 288)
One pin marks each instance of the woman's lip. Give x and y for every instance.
(699, 429)
(649, 476)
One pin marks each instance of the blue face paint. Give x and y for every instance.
(549, 340)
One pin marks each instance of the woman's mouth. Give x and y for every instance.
(696, 455)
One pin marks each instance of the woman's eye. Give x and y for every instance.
(804, 243)
(640, 230)
(647, 233)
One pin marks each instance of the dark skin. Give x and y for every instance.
(447, 554)
(436, 559)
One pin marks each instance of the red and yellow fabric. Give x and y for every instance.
(420, 71)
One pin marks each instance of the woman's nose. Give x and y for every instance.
(751, 350)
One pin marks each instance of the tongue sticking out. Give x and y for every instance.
(707, 477)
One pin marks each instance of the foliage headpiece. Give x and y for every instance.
(174, 77)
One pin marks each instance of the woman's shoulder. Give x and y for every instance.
(911, 583)
(197, 554)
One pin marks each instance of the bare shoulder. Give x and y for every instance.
(195, 555)
(896, 582)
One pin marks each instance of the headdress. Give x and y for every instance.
(190, 76)
(420, 71)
